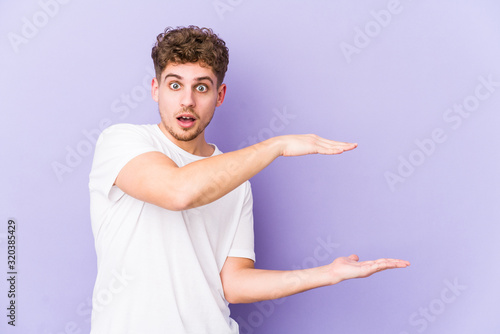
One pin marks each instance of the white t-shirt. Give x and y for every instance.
(159, 270)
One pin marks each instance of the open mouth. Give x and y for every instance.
(186, 121)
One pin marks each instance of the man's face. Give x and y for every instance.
(187, 97)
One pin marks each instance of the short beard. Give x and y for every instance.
(186, 136)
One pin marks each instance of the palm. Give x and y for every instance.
(295, 145)
(344, 268)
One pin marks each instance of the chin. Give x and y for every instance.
(186, 135)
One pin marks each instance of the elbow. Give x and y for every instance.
(178, 203)
(231, 297)
(234, 301)
(237, 283)
(230, 293)
(180, 199)
(238, 299)
(235, 294)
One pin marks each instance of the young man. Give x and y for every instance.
(172, 215)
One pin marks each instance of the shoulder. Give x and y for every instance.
(125, 132)
(124, 128)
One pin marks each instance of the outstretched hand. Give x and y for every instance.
(343, 268)
(295, 145)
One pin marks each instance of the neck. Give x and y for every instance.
(197, 146)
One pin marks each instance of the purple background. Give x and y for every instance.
(74, 72)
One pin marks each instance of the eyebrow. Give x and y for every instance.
(197, 79)
(205, 78)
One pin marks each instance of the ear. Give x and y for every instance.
(221, 93)
(154, 89)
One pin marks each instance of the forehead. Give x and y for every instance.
(189, 71)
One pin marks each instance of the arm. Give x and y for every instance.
(154, 178)
(243, 283)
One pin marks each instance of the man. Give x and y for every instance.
(172, 215)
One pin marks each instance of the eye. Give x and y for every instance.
(175, 85)
(201, 88)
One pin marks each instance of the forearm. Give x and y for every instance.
(154, 178)
(209, 179)
(243, 283)
(252, 285)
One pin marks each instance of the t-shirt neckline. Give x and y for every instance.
(180, 150)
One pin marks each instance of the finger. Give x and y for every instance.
(335, 143)
(333, 147)
(390, 263)
(339, 144)
(326, 148)
(399, 263)
(354, 257)
(391, 260)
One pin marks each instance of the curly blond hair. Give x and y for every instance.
(190, 45)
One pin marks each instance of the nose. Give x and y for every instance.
(187, 99)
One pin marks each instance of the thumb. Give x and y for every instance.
(354, 257)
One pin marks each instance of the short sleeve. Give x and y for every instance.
(116, 146)
(243, 242)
